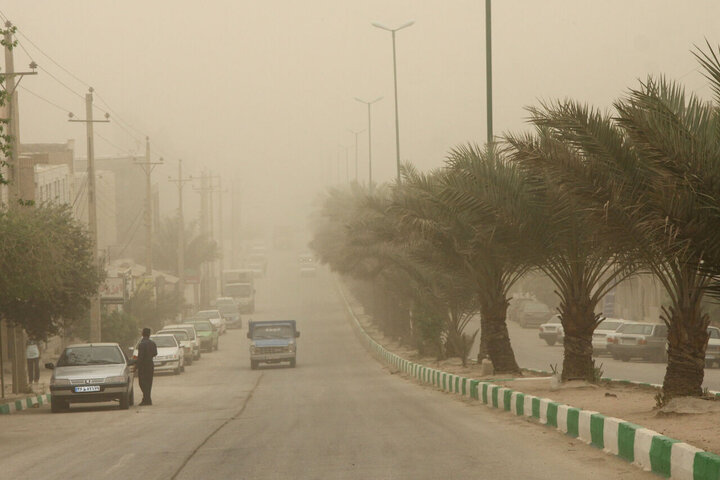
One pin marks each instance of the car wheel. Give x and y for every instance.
(131, 399)
(550, 341)
(625, 358)
(292, 363)
(253, 364)
(708, 363)
(176, 371)
(190, 360)
(198, 355)
(125, 401)
(57, 406)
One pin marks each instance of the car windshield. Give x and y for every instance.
(91, 355)
(164, 340)
(239, 290)
(207, 314)
(203, 326)
(609, 325)
(180, 335)
(228, 309)
(714, 332)
(265, 332)
(636, 328)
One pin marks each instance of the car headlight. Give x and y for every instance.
(59, 381)
(291, 348)
(118, 379)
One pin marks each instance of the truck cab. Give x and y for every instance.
(272, 342)
(243, 294)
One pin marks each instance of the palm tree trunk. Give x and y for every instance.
(494, 335)
(687, 341)
(578, 320)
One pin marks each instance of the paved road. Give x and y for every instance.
(338, 415)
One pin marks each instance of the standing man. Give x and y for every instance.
(145, 366)
(32, 353)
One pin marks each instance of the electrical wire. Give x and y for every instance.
(45, 99)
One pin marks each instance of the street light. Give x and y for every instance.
(356, 133)
(369, 129)
(397, 122)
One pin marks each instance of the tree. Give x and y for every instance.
(48, 273)
(198, 248)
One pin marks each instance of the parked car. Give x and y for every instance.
(533, 314)
(552, 332)
(91, 372)
(516, 303)
(638, 339)
(599, 339)
(230, 310)
(170, 354)
(215, 317)
(192, 336)
(182, 338)
(712, 353)
(207, 333)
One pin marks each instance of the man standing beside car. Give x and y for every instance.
(147, 350)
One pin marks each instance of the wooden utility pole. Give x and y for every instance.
(180, 181)
(16, 335)
(147, 167)
(95, 312)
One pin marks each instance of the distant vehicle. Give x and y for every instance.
(516, 303)
(272, 342)
(307, 265)
(533, 314)
(170, 356)
(243, 294)
(712, 353)
(192, 336)
(182, 338)
(639, 339)
(552, 332)
(599, 338)
(91, 372)
(215, 317)
(230, 310)
(207, 333)
(230, 277)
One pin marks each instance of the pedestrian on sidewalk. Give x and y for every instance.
(145, 365)
(32, 354)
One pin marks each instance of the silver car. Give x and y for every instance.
(91, 372)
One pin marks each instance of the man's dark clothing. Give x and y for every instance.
(33, 368)
(146, 368)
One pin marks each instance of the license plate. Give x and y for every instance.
(87, 388)
(627, 341)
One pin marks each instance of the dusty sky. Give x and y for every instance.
(262, 91)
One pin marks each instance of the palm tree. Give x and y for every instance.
(639, 174)
(575, 255)
(454, 209)
(198, 248)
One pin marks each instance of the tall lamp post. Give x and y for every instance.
(488, 70)
(397, 121)
(356, 133)
(369, 129)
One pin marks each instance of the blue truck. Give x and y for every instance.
(272, 342)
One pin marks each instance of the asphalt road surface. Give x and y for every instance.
(338, 415)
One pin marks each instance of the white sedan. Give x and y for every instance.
(170, 356)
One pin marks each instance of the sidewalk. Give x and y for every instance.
(42, 388)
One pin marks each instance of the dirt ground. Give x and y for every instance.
(633, 404)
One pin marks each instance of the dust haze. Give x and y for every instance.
(262, 93)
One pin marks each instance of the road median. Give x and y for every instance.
(16, 405)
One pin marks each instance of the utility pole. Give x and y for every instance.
(221, 243)
(206, 229)
(235, 222)
(180, 181)
(356, 151)
(95, 312)
(17, 334)
(347, 167)
(488, 71)
(369, 129)
(147, 167)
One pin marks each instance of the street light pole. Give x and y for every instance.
(397, 121)
(488, 70)
(356, 151)
(369, 129)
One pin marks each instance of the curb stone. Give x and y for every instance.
(23, 404)
(642, 447)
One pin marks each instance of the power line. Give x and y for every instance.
(45, 100)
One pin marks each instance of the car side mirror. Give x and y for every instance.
(49, 366)
(131, 362)
(297, 334)
(131, 350)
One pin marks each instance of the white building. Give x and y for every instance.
(53, 184)
(105, 204)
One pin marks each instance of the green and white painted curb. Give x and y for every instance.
(24, 404)
(645, 448)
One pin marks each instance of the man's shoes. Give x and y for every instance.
(144, 404)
